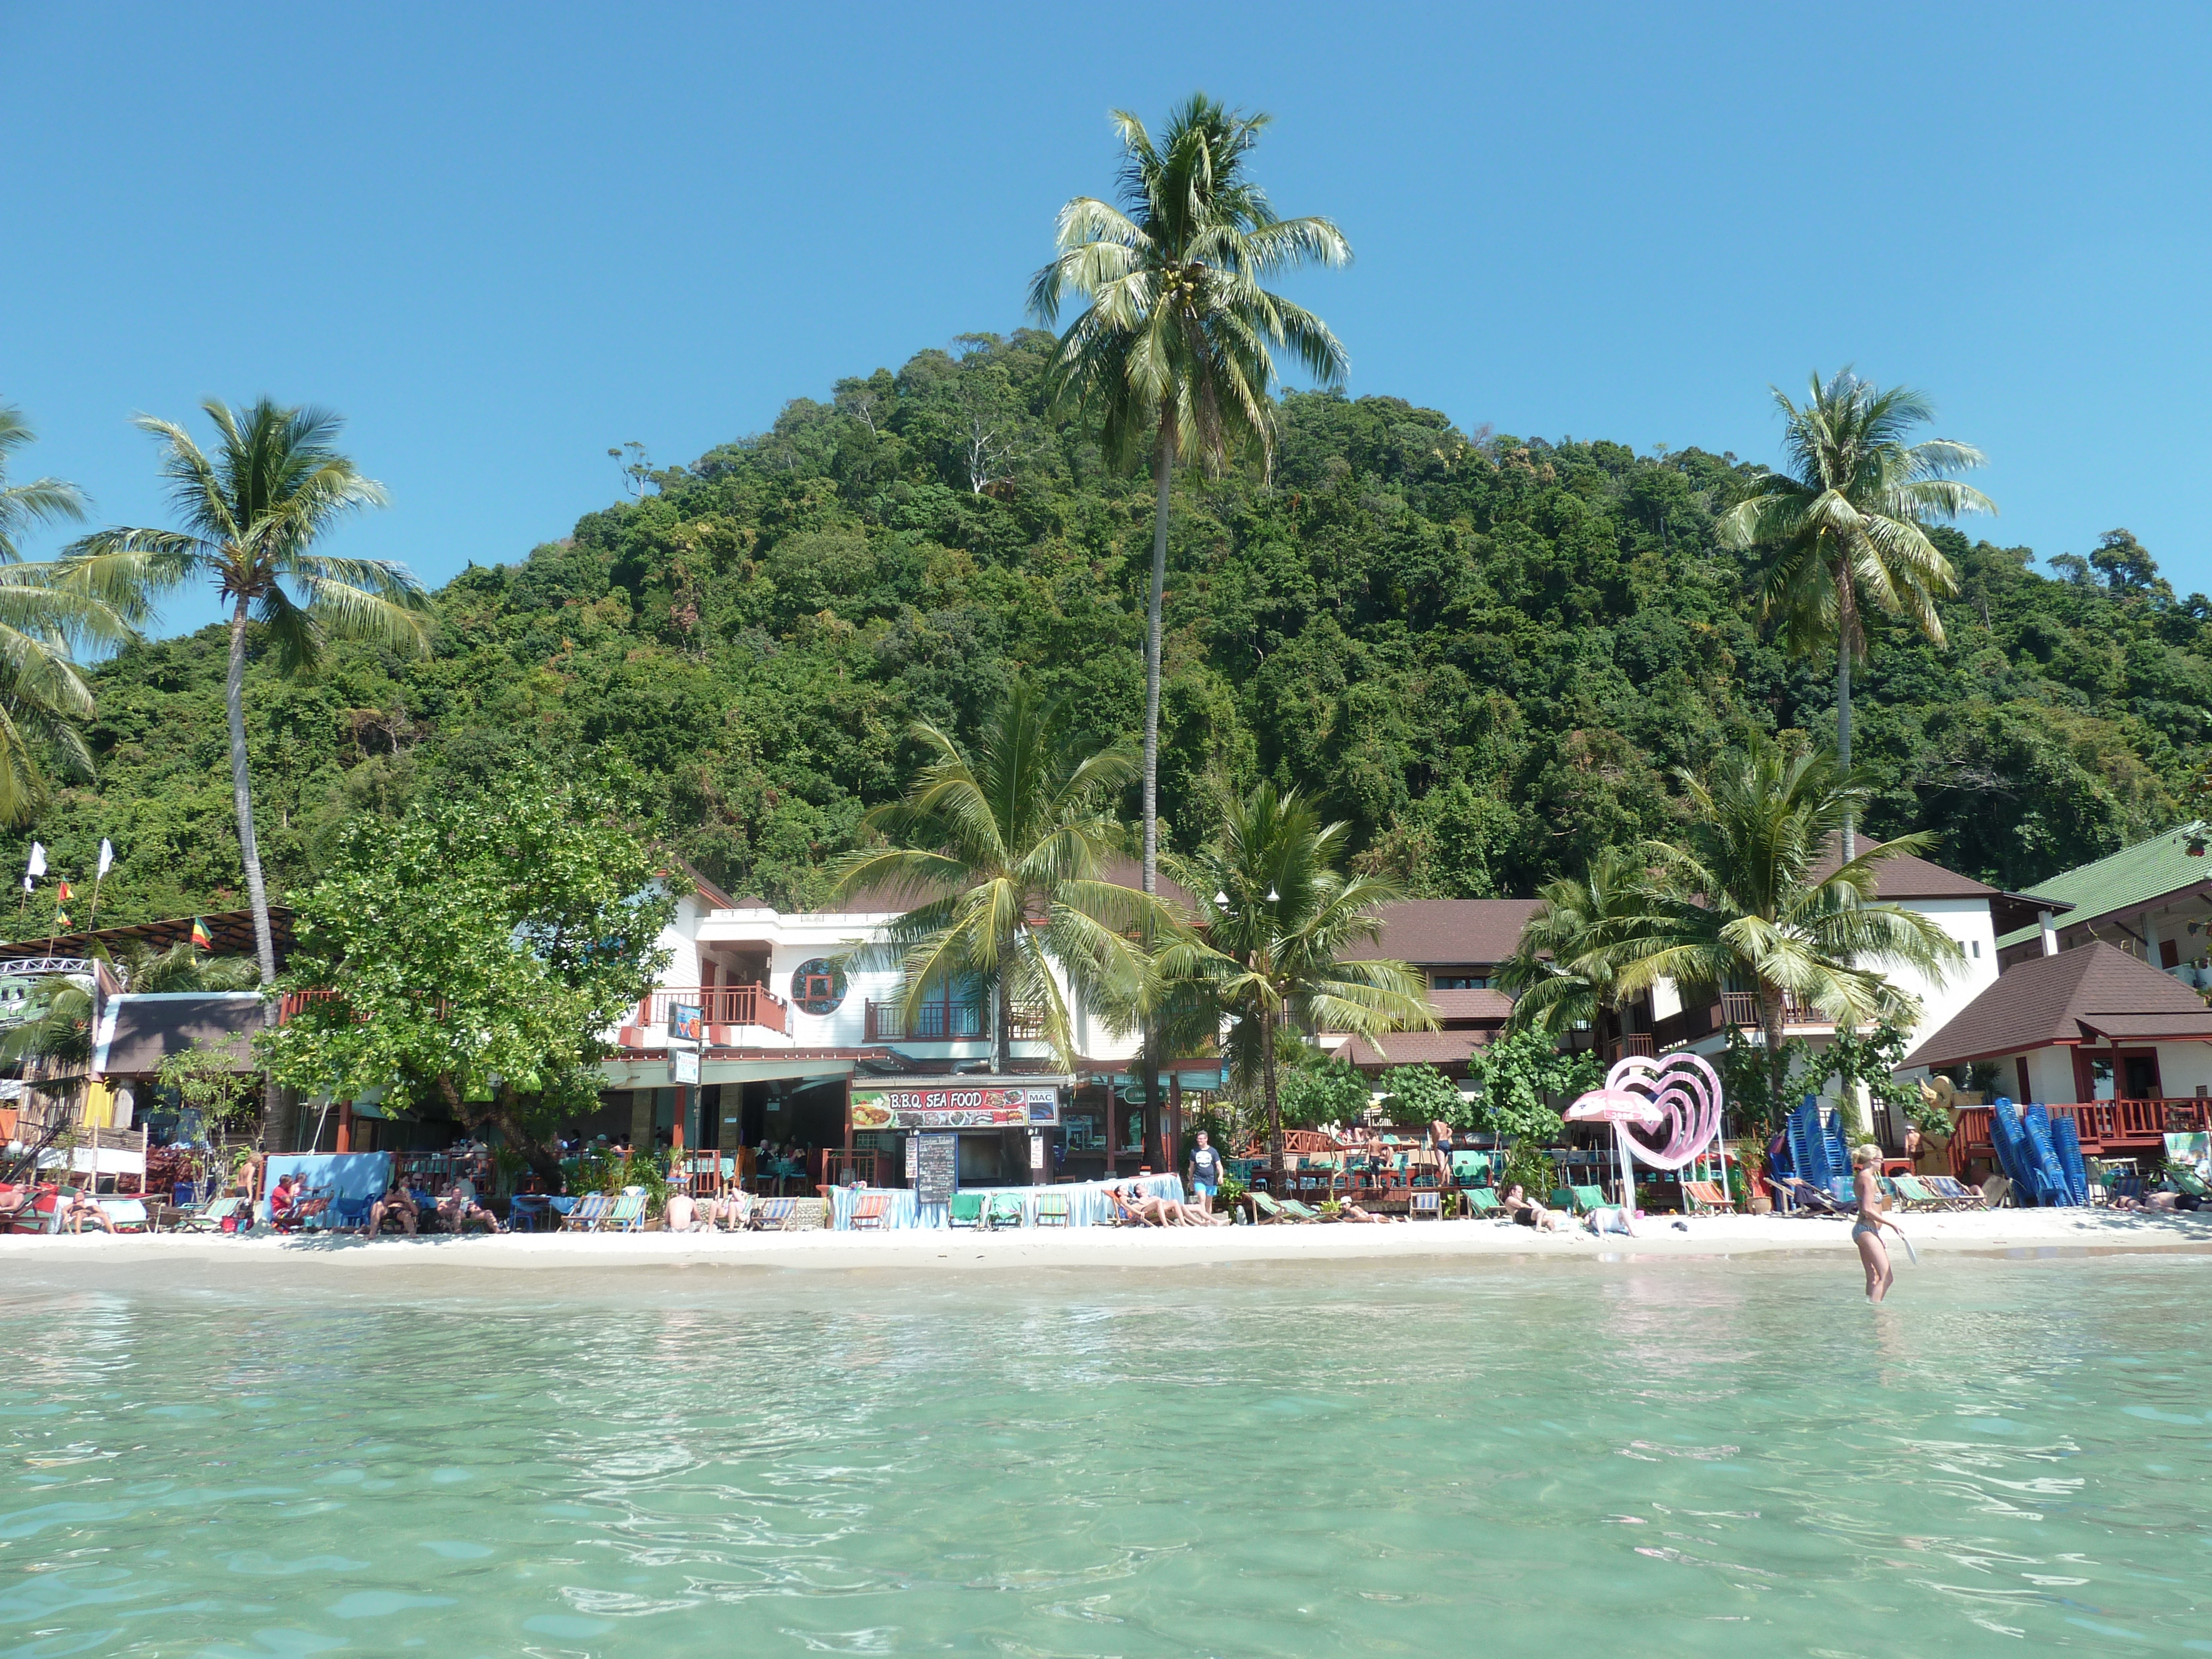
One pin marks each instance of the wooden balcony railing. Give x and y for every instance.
(1635, 1043)
(1741, 1008)
(725, 1005)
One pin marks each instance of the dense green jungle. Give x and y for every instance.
(1488, 652)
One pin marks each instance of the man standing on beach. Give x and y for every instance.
(1204, 1173)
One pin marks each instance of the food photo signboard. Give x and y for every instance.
(956, 1103)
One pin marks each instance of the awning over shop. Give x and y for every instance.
(653, 1073)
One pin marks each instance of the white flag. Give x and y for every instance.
(38, 865)
(107, 855)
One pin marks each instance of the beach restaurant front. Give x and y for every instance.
(968, 1149)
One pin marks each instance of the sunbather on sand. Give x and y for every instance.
(1528, 1212)
(1352, 1211)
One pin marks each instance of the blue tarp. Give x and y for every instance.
(1086, 1201)
(342, 1175)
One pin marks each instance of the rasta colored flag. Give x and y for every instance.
(201, 940)
(63, 895)
(61, 919)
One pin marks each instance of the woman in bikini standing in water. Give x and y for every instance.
(1867, 1222)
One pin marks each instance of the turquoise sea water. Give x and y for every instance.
(1533, 1459)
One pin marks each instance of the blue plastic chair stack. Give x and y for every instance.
(2051, 1184)
(2066, 1138)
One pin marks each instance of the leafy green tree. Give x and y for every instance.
(1746, 899)
(1422, 1094)
(1003, 852)
(476, 953)
(1174, 354)
(1521, 1075)
(251, 515)
(1312, 1090)
(1277, 919)
(1847, 524)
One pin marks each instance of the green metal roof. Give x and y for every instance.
(2131, 877)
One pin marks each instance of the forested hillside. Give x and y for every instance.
(1487, 652)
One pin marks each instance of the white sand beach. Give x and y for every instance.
(1989, 1232)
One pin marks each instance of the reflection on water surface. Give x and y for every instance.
(1675, 1458)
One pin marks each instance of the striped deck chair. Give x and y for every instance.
(1914, 1196)
(869, 1211)
(1950, 1187)
(774, 1215)
(1426, 1202)
(1052, 1210)
(1706, 1198)
(628, 1215)
(590, 1210)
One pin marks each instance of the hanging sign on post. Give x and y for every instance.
(683, 1066)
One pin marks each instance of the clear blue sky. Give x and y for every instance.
(501, 242)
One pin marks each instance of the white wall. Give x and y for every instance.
(1967, 921)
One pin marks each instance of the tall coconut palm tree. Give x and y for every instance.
(1002, 852)
(1847, 524)
(1746, 898)
(42, 500)
(1277, 917)
(250, 514)
(44, 699)
(1173, 356)
(1562, 972)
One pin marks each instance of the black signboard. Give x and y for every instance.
(937, 1161)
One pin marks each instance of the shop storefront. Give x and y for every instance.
(938, 1134)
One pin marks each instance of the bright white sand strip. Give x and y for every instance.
(1993, 1230)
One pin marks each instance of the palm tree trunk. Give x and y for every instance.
(275, 1127)
(1002, 1038)
(1846, 634)
(1162, 474)
(1274, 1103)
(1769, 1021)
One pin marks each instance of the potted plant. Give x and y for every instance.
(1749, 1164)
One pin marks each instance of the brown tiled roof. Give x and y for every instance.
(1414, 1049)
(1452, 1005)
(1904, 876)
(2087, 994)
(1450, 932)
(135, 1033)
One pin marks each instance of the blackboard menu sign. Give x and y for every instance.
(936, 1162)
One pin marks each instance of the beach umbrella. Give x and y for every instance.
(1680, 1095)
(1619, 1107)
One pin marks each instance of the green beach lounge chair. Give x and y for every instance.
(1913, 1195)
(628, 1215)
(965, 1209)
(1006, 1210)
(1293, 1210)
(1268, 1209)
(1052, 1210)
(1482, 1201)
(209, 1218)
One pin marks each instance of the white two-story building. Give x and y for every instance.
(802, 1043)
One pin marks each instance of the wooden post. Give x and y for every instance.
(1171, 1158)
(1113, 1133)
(345, 1126)
(848, 1122)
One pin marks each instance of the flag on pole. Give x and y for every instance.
(201, 940)
(37, 864)
(63, 895)
(107, 856)
(61, 919)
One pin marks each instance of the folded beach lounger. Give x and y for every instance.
(210, 1218)
(1052, 1210)
(1006, 1210)
(964, 1210)
(591, 1209)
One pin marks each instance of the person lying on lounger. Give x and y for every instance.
(77, 1209)
(398, 1204)
(1352, 1211)
(1137, 1207)
(458, 1208)
(1528, 1212)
